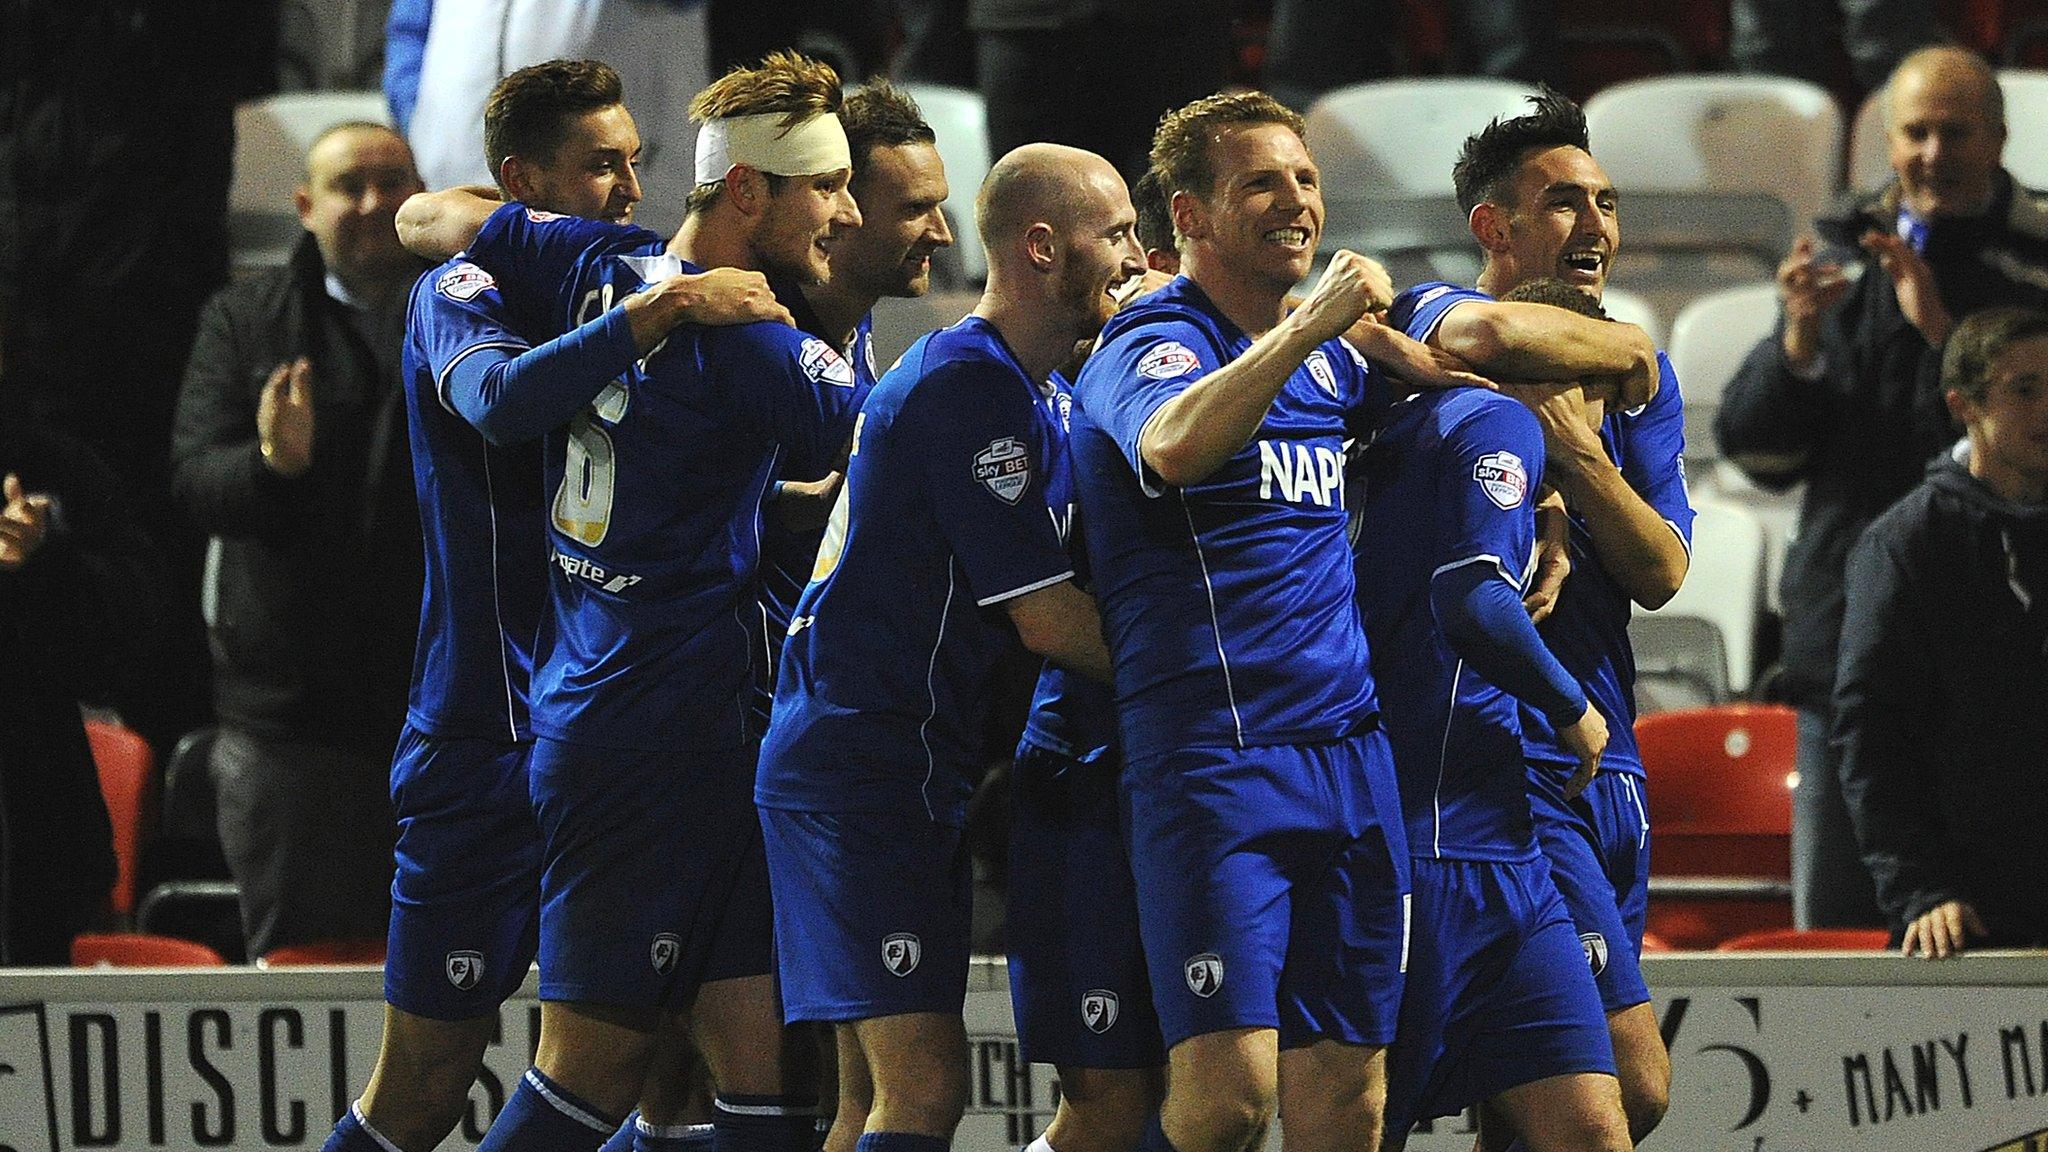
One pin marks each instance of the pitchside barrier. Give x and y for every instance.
(1771, 1053)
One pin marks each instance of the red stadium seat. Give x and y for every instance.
(1721, 817)
(325, 952)
(127, 770)
(140, 950)
(1809, 940)
(1655, 943)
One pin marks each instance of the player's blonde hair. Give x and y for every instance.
(1181, 146)
(796, 86)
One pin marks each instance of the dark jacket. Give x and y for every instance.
(75, 625)
(1941, 705)
(1861, 435)
(313, 590)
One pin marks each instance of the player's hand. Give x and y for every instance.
(1410, 359)
(1350, 287)
(24, 523)
(1913, 283)
(1939, 932)
(1807, 288)
(1571, 428)
(805, 505)
(1553, 557)
(1585, 738)
(284, 418)
(718, 297)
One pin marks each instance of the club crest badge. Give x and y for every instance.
(1596, 951)
(1004, 468)
(1099, 1010)
(465, 968)
(664, 952)
(464, 281)
(824, 365)
(1204, 974)
(1503, 479)
(1318, 365)
(1167, 361)
(900, 953)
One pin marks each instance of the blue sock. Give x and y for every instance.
(541, 1115)
(901, 1142)
(672, 1137)
(352, 1133)
(622, 1140)
(1154, 1139)
(764, 1124)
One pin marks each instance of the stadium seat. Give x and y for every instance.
(207, 910)
(2026, 155)
(1708, 342)
(1629, 308)
(899, 321)
(1809, 940)
(1724, 587)
(127, 771)
(325, 952)
(271, 137)
(1710, 133)
(140, 950)
(1721, 814)
(1400, 137)
(959, 119)
(1655, 943)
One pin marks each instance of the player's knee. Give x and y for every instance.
(1221, 1121)
(922, 1092)
(1099, 1125)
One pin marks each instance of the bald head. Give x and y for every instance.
(1957, 73)
(1945, 131)
(1041, 184)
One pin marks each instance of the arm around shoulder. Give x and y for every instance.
(437, 225)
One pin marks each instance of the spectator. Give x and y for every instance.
(1941, 705)
(78, 585)
(1846, 396)
(290, 450)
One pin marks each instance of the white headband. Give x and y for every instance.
(759, 142)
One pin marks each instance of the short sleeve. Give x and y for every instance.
(979, 440)
(534, 254)
(1421, 308)
(459, 315)
(1653, 456)
(1125, 383)
(798, 391)
(1493, 468)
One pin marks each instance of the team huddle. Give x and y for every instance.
(1327, 806)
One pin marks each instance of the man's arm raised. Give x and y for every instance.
(1192, 434)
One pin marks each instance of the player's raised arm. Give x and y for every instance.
(437, 225)
(1212, 419)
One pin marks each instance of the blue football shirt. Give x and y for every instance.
(1228, 604)
(1588, 629)
(654, 517)
(1451, 480)
(883, 689)
(480, 515)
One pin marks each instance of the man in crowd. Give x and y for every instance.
(1542, 208)
(1941, 702)
(653, 890)
(1846, 396)
(950, 522)
(478, 397)
(290, 451)
(1208, 439)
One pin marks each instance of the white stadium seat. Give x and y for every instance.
(1720, 134)
(959, 119)
(1708, 342)
(1724, 589)
(1629, 308)
(1402, 136)
(271, 137)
